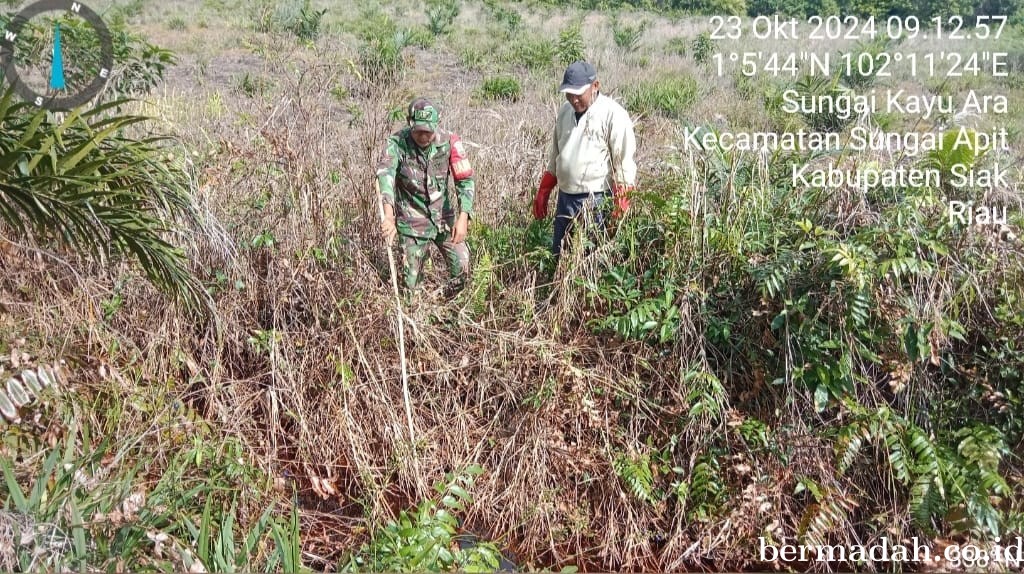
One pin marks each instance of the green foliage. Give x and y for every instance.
(705, 491)
(423, 540)
(83, 183)
(828, 511)
(705, 395)
(381, 60)
(291, 16)
(501, 88)
(472, 57)
(570, 44)
(668, 95)
(507, 16)
(637, 476)
(441, 16)
(420, 37)
(726, 7)
(533, 52)
(252, 85)
(827, 311)
(950, 155)
(953, 477)
(703, 48)
(633, 315)
(93, 502)
(306, 25)
(802, 8)
(796, 8)
(177, 23)
(628, 36)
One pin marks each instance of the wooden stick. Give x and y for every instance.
(401, 326)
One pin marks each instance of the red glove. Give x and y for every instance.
(621, 193)
(540, 201)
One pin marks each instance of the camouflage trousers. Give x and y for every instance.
(416, 249)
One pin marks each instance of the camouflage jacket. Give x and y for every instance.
(416, 182)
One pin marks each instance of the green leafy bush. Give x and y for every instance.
(91, 501)
(814, 87)
(863, 71)
(441, 16)
(670, 95)
(292, 16)
(628, 36)
(425, 539)
(380, 57)
(87, 184)
(306, 25)
(507, 16)
(502, 88)
(570, 44)
(535, 53)
(252, 85)
(703, 48)
(177, 23)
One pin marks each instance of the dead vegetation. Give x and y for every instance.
(599, 451)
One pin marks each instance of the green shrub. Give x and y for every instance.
(426, 538)
(669, 96)
(570, 44)
(252, 85)
(472, 57)
(203, 496)
(703, 48)
(503, 88)
(508, 17)
(628, 36)
(306, 26)
(381, 59)
(177, 23)
(815, 87)
(291, 16)
(726, 7)
(441, 16)
(420, 36)
(535, 53)
(859, 76)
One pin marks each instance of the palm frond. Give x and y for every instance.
(88, 184)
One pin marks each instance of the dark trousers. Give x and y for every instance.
(571, 208)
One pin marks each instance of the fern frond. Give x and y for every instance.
(925, 500)
(637, 475)
(824, 517)
(897, 454)
(851, 438)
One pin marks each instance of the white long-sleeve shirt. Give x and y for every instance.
(592, 155)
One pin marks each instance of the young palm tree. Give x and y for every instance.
(84, 183)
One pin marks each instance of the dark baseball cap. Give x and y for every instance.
(578, 77)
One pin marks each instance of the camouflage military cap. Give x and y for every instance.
(423, 114)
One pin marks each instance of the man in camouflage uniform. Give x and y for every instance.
(413, 175)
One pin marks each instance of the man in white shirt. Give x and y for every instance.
(591, 155)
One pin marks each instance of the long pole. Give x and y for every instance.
(401, 325)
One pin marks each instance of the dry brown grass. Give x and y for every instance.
(322, 403)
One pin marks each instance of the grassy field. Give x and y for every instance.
(743, 360)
